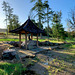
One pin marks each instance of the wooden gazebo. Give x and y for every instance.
(27, 28)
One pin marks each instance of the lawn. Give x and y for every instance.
(11, 68)
(41, 40)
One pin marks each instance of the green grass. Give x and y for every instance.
(9, 40)
(41, 40)
(58, 66)
(69, 46)
(11, 68)
(70, 40)
(73, 46)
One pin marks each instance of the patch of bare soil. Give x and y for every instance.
(54, 62)
(29, 72)
(40, 69)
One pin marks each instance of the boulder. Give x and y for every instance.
(46, 43)
(56, 44)
(8, 54)
(32, 44)
(41, 44)
(12, 42)
(16, 44)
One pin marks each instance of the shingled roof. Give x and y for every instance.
(27, 27)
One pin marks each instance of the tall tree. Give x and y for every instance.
(57, 27)
(10, 15)
(5, 8)
(48, 31)
(36, 23)
(68, 29)
(71, 19)
(13, 21)
(38, 7)
(48, 15)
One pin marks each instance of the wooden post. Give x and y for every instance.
(37, 39)
(20, 40)
(31, 36)
(26, 41)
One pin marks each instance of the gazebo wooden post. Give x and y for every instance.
(19, 40)
(37, 39)
(26, 40)
(31, 36)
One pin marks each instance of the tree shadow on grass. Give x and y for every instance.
(40, 69)
(61, 57)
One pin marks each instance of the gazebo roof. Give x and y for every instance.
(27, 27)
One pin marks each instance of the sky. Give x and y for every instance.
(22, 9)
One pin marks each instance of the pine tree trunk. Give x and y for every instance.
(48, 24)
(6, 25)
(58, 38)
(39, 18)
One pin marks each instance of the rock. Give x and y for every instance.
(32, 44)
(74, 62)
(56, 44)
(12, 42)
(46, 43)
(41, 44)
(8, 54)
(50, 44)
(16, 44)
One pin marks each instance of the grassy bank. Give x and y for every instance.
(11, 68)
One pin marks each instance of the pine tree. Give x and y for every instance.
(57, 27)
(5, 8)
(10, 16)
(13, 21)
(38, 8)
(48, 15)
(71, 19)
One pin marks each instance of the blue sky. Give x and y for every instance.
(22, 9)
